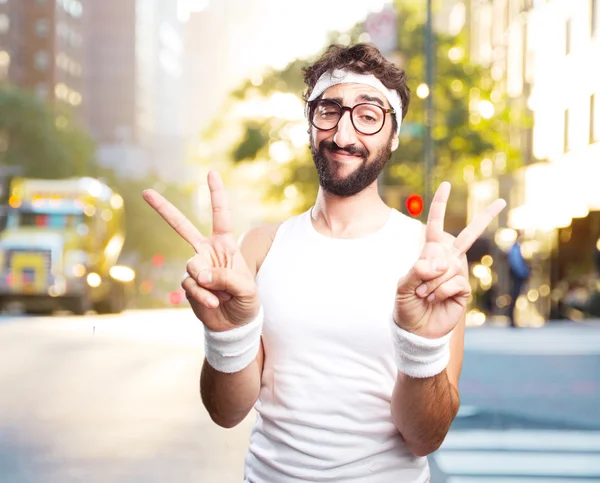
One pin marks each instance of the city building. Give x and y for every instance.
(134, 57)
(42, 49)
(542, 54)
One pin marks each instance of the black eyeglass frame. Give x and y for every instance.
(343, 109)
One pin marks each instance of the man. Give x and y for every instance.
(361, 309)
(519, 273)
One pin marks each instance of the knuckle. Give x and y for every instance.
(191, 263)
(420, 268)
(188, 284)
(221, 277)
(229, 243)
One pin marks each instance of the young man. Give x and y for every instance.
(343, 327)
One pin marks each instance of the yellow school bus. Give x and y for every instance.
(61, 246)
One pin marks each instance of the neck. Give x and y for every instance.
(352, 216)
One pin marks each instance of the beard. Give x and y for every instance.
(363, 176)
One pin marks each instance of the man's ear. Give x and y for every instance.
(395, 143)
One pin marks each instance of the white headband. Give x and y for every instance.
(342, 76)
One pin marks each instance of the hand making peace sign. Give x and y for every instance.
(432, 296)
(220, 286)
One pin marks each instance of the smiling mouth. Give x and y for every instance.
(343, 155)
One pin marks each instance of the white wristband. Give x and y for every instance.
(233, 350)
(418, 356)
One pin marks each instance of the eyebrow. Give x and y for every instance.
(361, 98)
(365, 97)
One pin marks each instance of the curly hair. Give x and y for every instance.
(360, 59)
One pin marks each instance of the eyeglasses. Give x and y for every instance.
(368, 119)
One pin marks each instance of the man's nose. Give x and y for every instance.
(345, 134)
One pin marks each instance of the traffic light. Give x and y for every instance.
(414, 204)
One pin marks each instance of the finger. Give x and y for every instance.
(478, 224)
(429, 285)
(199, 262)
(434, 231)
(194, 292)
(185, 276)
(223, 296)
(220, 204)
(175, 218)
(228, 280)
(422, 270)
(430, 269)
(456, 287)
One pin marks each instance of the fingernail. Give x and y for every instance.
(205, 277)
(431, 297)
(422, 290)
(212, 301)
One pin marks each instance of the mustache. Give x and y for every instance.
(353, 150)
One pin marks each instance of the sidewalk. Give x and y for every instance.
(559, 338)
(502, 321)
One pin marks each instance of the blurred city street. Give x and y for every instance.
(105, 101)
(115, 398)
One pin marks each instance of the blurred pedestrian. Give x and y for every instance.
(343, 326)
(519, 273)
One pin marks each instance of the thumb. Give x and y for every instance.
(422, 271)
(234, 283)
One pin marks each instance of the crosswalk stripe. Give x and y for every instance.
(526, 440)
(477, 479)
(554, 341)
(507, 463)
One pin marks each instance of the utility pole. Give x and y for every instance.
(429, 153)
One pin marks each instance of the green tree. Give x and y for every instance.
(40, 138)
(471, 121)
(471, 115)
(142, 239)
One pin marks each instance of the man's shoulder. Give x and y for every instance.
(255, 244)
(260, 233)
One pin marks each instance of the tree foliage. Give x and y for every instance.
(470, 124)
(41, 139)
(46, 143)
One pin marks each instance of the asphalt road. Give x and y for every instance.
(115, 399)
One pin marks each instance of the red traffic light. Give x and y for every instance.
(414, 204)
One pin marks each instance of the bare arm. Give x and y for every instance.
(431, 301)
(228, 398)
(423, 409)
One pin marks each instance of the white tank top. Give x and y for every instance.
(323, 414)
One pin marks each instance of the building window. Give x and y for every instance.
(4, 23)
(593, 17)
(568, 37)
(42, 28)
(41, 60)
(566, 132)
(594, 121)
